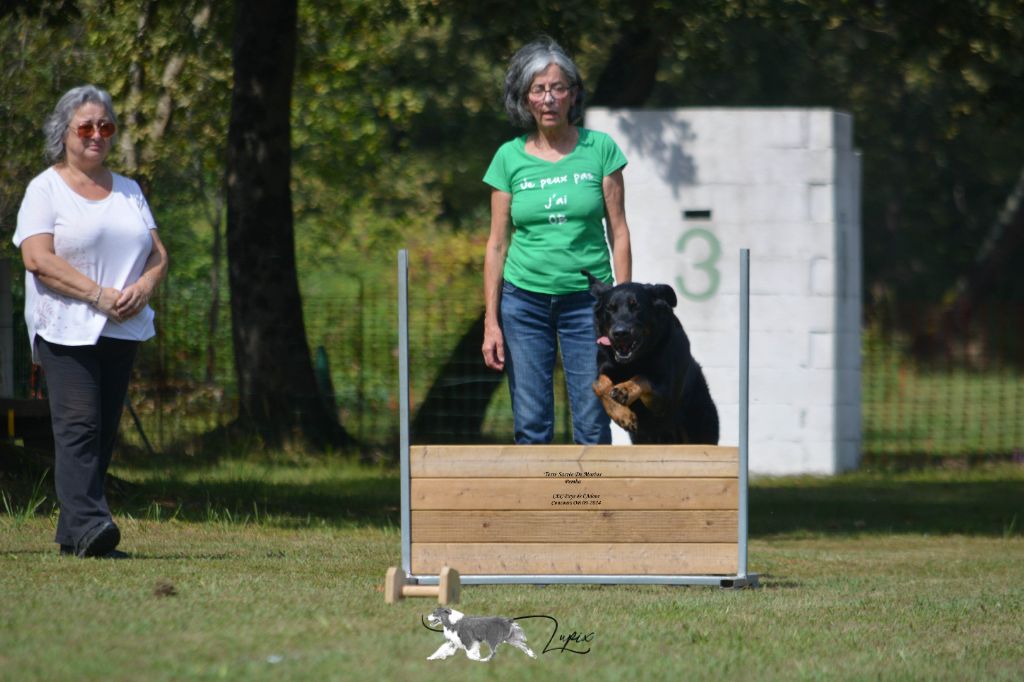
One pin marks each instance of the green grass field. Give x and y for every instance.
(274, 570)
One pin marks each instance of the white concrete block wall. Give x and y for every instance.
(784, 183)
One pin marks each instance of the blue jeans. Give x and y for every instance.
(535, 327)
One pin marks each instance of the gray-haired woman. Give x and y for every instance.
(557, 203)
(92, 259)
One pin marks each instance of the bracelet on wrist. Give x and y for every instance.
(99, 292)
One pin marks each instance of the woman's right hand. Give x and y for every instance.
(107, 303)
(494, 347)
(494, 264)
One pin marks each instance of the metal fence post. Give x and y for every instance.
(403, 403)
(744, 371)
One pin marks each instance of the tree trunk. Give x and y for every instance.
(996, 256)
(277, 387)
(994, 267)
(629, 75)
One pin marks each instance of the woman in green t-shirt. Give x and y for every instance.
(557, 204)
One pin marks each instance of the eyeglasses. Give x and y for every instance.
(538, 93)
(88, 129)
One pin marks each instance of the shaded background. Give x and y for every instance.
(396, 112)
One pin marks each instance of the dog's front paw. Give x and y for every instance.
(443, 652)
(619, 394)
(625, 418)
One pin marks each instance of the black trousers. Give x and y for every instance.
(86, 387)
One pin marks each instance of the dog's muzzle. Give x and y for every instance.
(624, 345)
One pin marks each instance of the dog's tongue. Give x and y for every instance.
(604, 341)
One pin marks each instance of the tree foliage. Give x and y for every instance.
(167, 67)
(396, 110)
(931, 86)
(397, 103)
(411, 94)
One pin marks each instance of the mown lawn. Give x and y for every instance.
(274, 570)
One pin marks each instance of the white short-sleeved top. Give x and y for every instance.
(106, 240)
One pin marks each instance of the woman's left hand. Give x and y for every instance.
(134, 298)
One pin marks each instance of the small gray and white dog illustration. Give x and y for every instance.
(469, 632)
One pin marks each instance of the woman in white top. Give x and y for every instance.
(93, 260)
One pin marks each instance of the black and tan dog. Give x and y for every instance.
(648, 381)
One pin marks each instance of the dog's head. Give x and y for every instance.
(627, 315)
(444, 616)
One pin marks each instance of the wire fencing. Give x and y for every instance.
(959, 397)
(935, 388)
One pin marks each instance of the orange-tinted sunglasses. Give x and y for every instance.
(87, 129)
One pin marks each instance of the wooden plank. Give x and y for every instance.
(594, 494)
(520, 461)
(574, 526)
(576, 559)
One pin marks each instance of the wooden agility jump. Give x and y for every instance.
(657, 514)
(562, 509)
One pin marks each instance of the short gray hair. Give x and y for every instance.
(56, 126)
(524, 66)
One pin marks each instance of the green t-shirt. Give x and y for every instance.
(557, 212)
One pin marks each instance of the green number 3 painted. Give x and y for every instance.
(714, 252)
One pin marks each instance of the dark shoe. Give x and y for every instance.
(100, 540)
(69, 550)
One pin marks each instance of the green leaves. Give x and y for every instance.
(397, 104)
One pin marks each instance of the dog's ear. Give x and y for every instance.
(663, 295)
(597, 287)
